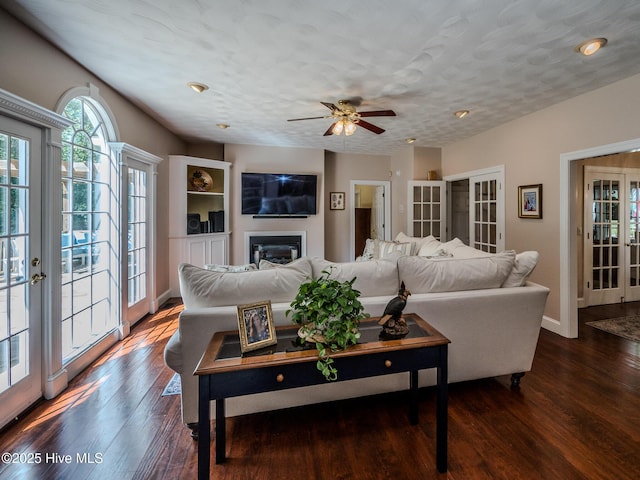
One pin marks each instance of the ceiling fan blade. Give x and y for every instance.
(378, 113)
(329, 130)
(306, 118)
(370, 127)
(330, 106)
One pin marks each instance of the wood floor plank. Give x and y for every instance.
(575, 416)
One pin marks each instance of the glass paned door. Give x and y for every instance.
(612, 239)
(20, 292)
(427, 209)
(137, 251)
(483, 214)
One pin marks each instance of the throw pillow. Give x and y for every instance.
(418, 241)
(384, 248)
(369, 249)
(524, 264)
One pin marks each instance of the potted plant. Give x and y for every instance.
(329, 313)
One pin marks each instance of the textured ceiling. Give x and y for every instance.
(266, 61)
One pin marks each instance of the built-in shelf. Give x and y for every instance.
(199, 213)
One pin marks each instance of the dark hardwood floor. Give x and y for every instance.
(575, 416)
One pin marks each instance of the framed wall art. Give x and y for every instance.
(255, 324)
(530, 201)
(336, 200)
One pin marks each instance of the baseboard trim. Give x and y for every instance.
(161, 300)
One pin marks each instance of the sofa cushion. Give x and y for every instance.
(524, 264)
(424, 275)
(202, 288)
(373, 278)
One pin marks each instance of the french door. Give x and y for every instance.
(20, 267)
(486, 213)
(612, 237)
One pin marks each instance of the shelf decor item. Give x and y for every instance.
(329, 313)
(530, 201)
(200, 181)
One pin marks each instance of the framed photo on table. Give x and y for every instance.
(530, 201)
(255, 324)
(336, 200)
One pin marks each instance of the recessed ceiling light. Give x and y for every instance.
(223, 126)
(197, 87)
(591, 46)
(410, 140)
(461, 113)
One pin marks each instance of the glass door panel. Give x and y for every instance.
(20, 294)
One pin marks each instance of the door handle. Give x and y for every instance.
(37, 277)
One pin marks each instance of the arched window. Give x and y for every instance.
(90, 238)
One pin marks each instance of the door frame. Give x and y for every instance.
(495, 171)
(51, 124)
(352, 212)
(567, 325)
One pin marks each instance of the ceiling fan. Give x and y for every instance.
(346, 118)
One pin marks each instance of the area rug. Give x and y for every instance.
(625, 327)
(174, 387)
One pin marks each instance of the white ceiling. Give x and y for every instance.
(266, 61)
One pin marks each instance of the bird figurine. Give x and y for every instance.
(393, 324)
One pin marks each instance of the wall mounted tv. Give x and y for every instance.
(278, 194)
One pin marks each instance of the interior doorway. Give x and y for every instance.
(370, 213)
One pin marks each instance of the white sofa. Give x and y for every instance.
(481, 302)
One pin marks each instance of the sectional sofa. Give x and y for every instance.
(482, 302)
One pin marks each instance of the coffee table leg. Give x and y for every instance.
(220, 431)
(204, 428)
(413, 400)
(442, 411)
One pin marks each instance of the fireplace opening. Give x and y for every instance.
(280, 249)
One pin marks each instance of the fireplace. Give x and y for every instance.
(275, 247)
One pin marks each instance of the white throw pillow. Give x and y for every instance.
(430, 247)
(524, 264)
(423, 275)
(202, 288)
(418, 241)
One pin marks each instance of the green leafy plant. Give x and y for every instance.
(329, 313)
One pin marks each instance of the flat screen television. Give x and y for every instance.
(278, 194)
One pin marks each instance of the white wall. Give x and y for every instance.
(530, 150)
(252, 158)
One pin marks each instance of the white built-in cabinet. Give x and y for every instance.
(198, 213)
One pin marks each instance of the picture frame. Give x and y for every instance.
(530, 201)
(255, 325)
(336, 200)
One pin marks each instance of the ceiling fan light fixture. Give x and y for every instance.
(222, 126)
(338, 127)
(349, 128)
(461, 113)
(410, 140)
(197, 87)
(591, 46)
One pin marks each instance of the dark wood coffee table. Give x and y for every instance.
(224, 372)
